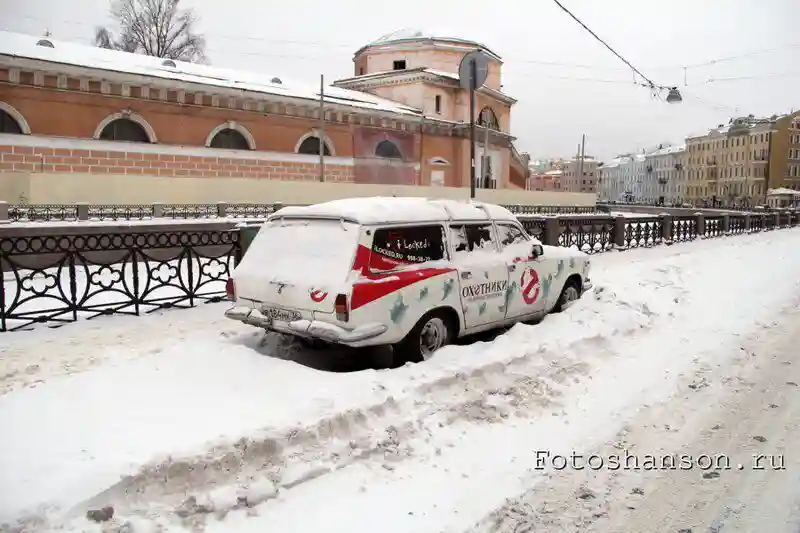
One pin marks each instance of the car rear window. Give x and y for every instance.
(395, 247)
(318, 251)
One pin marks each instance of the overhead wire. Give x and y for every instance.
(650, 83)
(355, 46)
(328, 45)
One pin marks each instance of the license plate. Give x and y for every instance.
(280, 315)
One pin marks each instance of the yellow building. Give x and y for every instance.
(729, 165)
(784, 154)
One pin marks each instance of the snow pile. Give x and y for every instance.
(207, 428)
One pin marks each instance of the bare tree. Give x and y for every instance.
(155, 28)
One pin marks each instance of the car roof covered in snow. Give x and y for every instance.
(382, 210)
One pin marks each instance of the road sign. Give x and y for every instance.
(481, 69)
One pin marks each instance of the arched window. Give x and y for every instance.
(124, 129)
(310, 145)
(388, 150)
(487, 118)
(8, 124)
(229, 139)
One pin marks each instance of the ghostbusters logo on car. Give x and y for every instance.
(318, 295)
(530, 286)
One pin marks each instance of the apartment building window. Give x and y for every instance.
(438, 103)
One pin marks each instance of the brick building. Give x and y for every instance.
(72, 109)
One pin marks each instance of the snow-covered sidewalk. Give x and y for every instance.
(143, 412)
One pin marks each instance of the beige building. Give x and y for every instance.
(728, 165)
(573, 181)
(784, 154)
(420, 69)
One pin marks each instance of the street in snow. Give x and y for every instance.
(175, 415)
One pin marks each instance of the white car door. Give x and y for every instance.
(529, 279)
(482, 272)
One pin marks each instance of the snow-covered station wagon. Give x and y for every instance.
(408, 272)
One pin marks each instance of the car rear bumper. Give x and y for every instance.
(308, 328)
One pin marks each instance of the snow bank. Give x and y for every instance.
(205, 409)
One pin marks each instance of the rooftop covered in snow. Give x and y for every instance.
(79, 56)
(782, 191)
(378, 210)
(408, 35)
(667, 150)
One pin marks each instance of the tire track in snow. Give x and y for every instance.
(386, 432)
(722, 405)
(231, 463)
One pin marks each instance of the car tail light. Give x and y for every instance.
(230, 289)
(342, 314)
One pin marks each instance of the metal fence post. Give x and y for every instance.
(4, 212)
(726, 224)
(700, 222)
(158, 210)
(763, 222)
(747, 224)
(222, 209)
(82, 210)
(666, 228)
(552, 231)
(619, 232)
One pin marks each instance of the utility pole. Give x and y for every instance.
(421, 180)
(485, 166)
(582, 155)
(321, 127)
(472, 83)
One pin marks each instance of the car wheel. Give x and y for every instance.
(569, 294)
(431, 333)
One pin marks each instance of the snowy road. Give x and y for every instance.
(681, 349)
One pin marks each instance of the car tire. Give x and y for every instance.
(569, 294)
(433, 331)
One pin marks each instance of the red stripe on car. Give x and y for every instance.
(365, 292)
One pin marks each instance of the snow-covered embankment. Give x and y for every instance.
(425, 447)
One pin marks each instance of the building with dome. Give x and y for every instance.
(79, 123)
(420, 68)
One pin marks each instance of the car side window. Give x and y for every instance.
(468, 238)
(394, 247)
(510, 234)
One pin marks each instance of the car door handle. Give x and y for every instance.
(466, 275)
(512, 268)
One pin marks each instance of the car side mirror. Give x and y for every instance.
(537, 251)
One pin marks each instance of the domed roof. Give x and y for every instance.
(418, 34)
(411, 34)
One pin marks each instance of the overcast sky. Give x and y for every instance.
(588, 90)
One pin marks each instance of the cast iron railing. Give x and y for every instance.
(116, 212)
(55, 275)
(61, 278)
